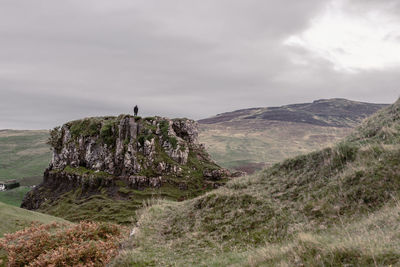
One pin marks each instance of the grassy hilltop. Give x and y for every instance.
(337, 206)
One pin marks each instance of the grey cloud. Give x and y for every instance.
(390, 6)
(61, 60)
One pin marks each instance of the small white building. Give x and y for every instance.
(7, 185)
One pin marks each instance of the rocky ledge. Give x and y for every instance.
(102, 154)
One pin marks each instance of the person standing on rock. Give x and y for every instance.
(135, 110)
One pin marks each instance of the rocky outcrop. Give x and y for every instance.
(102, 155)
(123, 145)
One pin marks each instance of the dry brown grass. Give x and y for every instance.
(55, 244)
(237, 145)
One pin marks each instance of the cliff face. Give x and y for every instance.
(117, 157)
(124, 146)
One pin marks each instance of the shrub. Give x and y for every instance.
(146, 135)
(106, 133)
(173, 142)
(55, 244)
(126, 141)
(85, 127)
(164, 127)
(55, 139)
(150, 119)
(345, 152)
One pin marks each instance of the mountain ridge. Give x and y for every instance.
(335, 112)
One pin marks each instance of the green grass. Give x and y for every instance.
(82, 171)
(23, 155)
(117, 203)
(107, 134)
(86, 127)
(98, 207)
(13, 218)
(114, 204)
(333, 207)
(14, 196)
(164, 125)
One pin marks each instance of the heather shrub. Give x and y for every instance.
(56, 244)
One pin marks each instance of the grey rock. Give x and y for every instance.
(122, 156)
(215, 174)
(140, 182)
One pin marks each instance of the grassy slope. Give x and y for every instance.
(371, 241)
(23, 155)
(120, 207)
(332, 207)
(14, 218)
(14, 197)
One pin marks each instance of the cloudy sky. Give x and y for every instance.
(63, 60)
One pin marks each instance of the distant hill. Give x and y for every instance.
(254, 138)
(336, 112)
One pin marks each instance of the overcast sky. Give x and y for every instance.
(67, 59)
